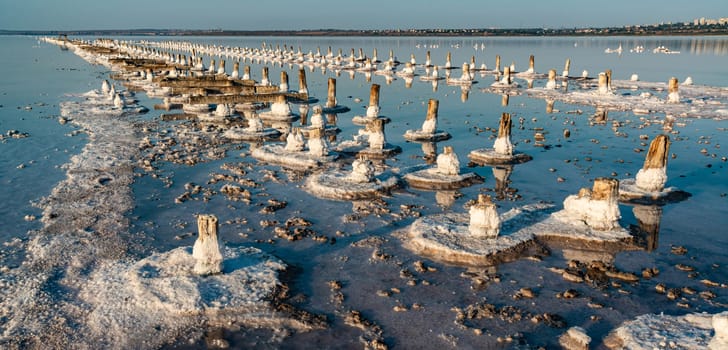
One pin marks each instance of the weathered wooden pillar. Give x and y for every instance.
(331, 94)
(302, 84)
(484, 220)
(206, 251)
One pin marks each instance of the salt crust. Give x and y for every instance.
(699, 101)
(690, 331)
(433, 179)
(446, 237)
(421, 135)
(245, 134)
(339, 185)
(146, 303)
(277, 154)
(491, 157)
(630, 192)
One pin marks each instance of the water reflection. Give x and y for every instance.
(503, 189)
(648, 225)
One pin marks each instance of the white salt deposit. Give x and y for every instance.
(484, 220)
(652, 179)
(691, 331)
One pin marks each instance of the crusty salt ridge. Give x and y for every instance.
(700, 101)
(447, 238)
(690, 331)
(67, 292)
(293, 155)
(83, 218)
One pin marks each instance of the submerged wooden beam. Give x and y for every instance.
(248, 98)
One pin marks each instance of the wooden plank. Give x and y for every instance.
(251, 98)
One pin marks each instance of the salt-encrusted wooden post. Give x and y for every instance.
(605, 189)
(497, 63)
(608, 72)
(428, 61)
(603, 88)
(236, 68)
(672, 91)
(430, 124)
(331, 94)
(264, 79)
(283, 87)
(503, 143)
(373, 108)
(484, 220)
(531, 64)
(507, 76)
(565, 73)
(206, 251)
(550, 106)
(653, 175)
(221, 67)
(211, 69)
(448, 60)
(302, 84)
(504, 100)
(246, 72)
(551, 83)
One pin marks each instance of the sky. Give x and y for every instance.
(346, 14)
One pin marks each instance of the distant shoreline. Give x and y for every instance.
(658, 30)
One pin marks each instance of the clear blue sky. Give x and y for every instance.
(346, 14)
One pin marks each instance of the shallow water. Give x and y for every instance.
(159, 224)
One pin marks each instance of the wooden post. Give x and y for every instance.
(504, 129)
(206, 251)
(374, 96)
(606, 189)
(331, 95)
(246, 72)
(284, 81)
(264, 80)
(603, 87)
(609, 79)
(551, 83)
(567, 65)
(504, 100)
(484, 220)
(221, 67)
(236, 68)
(497, 63)
(302, 85)
(432, 106)
(657, 154)
(531, 64)
(672, 91)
